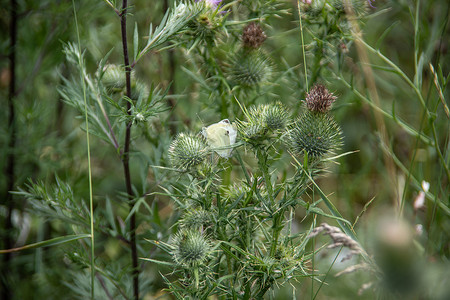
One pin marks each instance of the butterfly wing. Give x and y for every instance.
(220, 135)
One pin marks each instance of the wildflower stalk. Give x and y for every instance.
(417, 91)
(126, 156)
(303, 44)
(277, 216)
(276, 227)
(91, 196)
(262, 162)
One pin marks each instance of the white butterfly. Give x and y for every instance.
(220, 135)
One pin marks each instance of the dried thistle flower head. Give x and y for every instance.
(253, 36)
(319, 99)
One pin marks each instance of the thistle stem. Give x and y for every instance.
(126, 156)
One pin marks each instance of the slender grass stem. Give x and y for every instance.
(409, 129)
(398, 71)
(371, 85)
(328, 272)
(303, 44)
(126, 153)
(313, 258)
(419, 96)
(91, 198)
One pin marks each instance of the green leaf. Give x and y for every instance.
(49, 243)
(159, 262)
(135, 41)
(318, 211)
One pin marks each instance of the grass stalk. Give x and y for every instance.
(91, 198)
(303, 44)
(371, 85)
(126, 153)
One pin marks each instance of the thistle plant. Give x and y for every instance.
(246, 220)
(187, 159)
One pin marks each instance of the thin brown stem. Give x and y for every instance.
(126, 156)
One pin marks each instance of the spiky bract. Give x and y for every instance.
(249, 69)
(187, 151)
(360, 7)
(262, 121)
(316, 134)
(190, 248)
(113, 78)
(274, 116)
(196, 219)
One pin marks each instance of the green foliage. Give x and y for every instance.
(226, 209)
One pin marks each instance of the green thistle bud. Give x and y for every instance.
(196, 219)
(187, 151)
(319, 99)
(274, 116)
(203, 28)
(263, 120)
(190, 248)
(236, 190)
(139, 90)
(249, 69)
(316, 134)
(114, 78)
(360, 7)
(252, 133)
(253, 36)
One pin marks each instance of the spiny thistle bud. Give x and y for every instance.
(360, 7)
(252, 133)
(274, 116)
(263, 120)
(187, 151)
(249, 69)
(315, 134)
(319, 99)
(253, 36)
(237, 190)
(139, 90)
(114, 78)
(196, 219)
(190, 248)
(203, 28)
